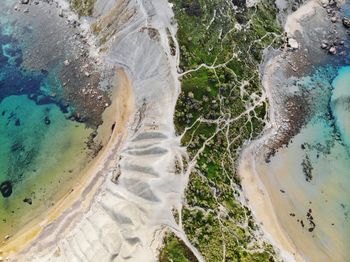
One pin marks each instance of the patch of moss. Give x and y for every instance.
(83, 7)
(96, 28)
(175, 251)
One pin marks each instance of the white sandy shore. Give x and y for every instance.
(263, 210)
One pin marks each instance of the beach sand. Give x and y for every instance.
(263, 209)
(92, 176)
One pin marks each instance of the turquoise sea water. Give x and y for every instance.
(41, 149)
(340, 104)
(309, 180)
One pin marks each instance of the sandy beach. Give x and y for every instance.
(81, 194)
(263, 209)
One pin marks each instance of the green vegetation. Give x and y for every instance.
(95, 28)
(83, 7)
(222, 103)
(175, 250)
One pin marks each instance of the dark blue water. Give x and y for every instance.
(14, 80)
(17, 81)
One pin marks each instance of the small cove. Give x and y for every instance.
(45, 136)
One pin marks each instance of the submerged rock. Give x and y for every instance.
(346, 22)
(6, 189)
(28, 200)
(47, 121)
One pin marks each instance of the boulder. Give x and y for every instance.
(332, 50)
(293, 43)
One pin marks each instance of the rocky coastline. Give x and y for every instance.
(85, 83)
(290, 109)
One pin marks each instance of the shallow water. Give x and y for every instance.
(42, 151)
(326, 192)
(340, 104)
(309, 179)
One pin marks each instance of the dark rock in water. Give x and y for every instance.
(11, 116)
(47, 120)
(17, 147)
(18, 122)
(44, 71)
(307, 168)
(6, 189)
(346, 22)
(28, 200)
